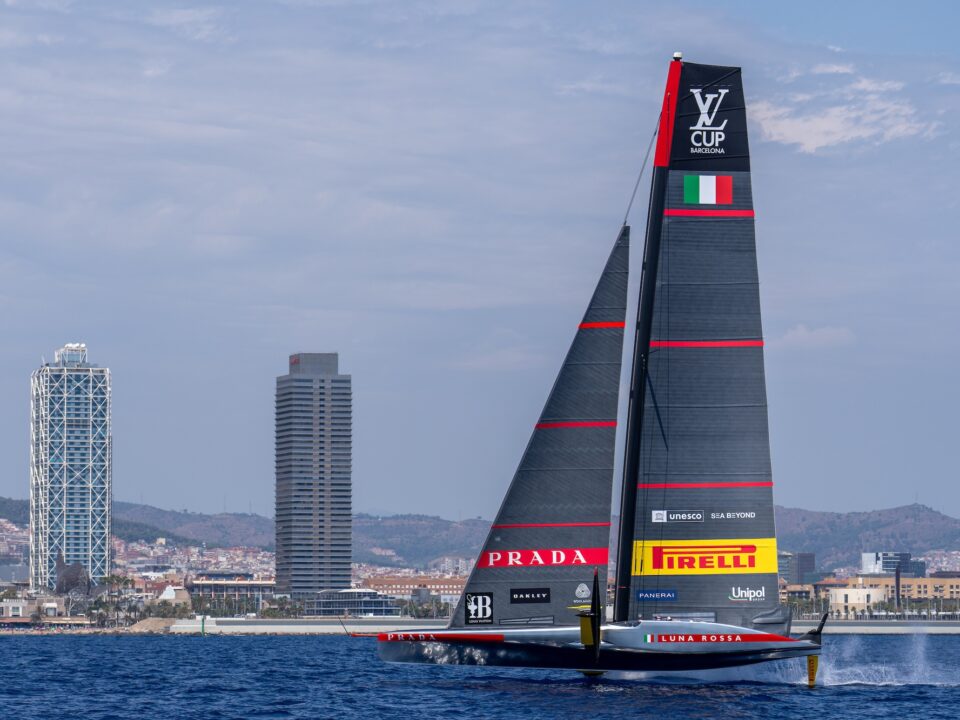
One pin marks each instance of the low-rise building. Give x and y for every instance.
(355, 602)
(176, 596)
(447, 588)
(850, 602)
(17, 608)
(912, 588)
(795, 593)
(239, 586)
(822, 588)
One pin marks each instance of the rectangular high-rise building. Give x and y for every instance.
(314, 414)
(70, 467)
(797, 567)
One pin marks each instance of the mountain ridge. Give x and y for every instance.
(418, 540)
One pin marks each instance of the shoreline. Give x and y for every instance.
(372, 626)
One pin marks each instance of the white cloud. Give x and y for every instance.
(156, 68)
(192, 23)
(500, 350)
(833, 69)
(595, 86)
(948, 78)
(513, 358)
(865, 110)
(877, 86)
(12, 39)
(803, 337)
(56, 5)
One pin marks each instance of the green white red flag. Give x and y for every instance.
(708, 189)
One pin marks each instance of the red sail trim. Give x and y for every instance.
(576, 424)
(551, 525)
(683, 212)
(440, 637)
(705, 485)
(665, 133)
(598, 325)
(705, 343)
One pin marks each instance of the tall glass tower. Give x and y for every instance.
(70, 467)
(314, 409)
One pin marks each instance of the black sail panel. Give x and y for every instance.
(552, 530)
(703, 528)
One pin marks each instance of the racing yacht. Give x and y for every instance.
(693, 550)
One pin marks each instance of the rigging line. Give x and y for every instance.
(656, 409)
(643, 166)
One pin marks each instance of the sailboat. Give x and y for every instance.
(695, 570)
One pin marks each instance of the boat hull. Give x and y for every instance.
(662, 647)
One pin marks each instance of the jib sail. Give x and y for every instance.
(552, 531)
(697, 537)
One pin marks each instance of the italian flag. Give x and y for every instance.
(708, 189)
(650, 638)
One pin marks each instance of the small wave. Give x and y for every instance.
(846, 661)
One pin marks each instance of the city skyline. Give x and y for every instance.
(431, 193)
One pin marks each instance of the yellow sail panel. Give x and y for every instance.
(736, 556)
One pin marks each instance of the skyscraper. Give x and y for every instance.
(70, 467)
(313, 467)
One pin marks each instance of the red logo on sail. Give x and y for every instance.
(704, 557)
(543, 557)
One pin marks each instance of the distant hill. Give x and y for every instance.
(417, 540)
(220, 529)
(124, 527)
(16, 511)
(839, 538)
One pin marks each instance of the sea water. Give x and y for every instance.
(104, 677)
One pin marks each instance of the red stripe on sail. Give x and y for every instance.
(552, 525)
(597, 325)
(705, 343)
(576, 424)
(684, 212)
(706, 485)
(669, 111)
(724, 189)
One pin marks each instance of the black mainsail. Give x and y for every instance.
(553, 528)
(697, 531)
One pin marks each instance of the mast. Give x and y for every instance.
(641, 345)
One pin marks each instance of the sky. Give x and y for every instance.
(430, 189)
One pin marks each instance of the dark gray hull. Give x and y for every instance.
(658, 647)
(543, 656)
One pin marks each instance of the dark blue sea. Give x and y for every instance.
(121, 678)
